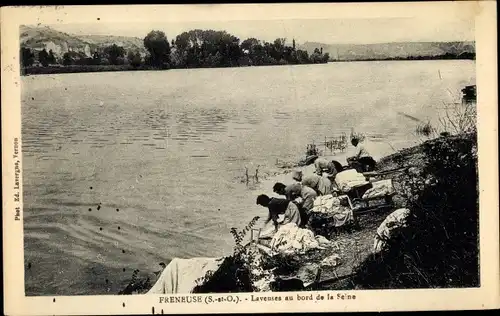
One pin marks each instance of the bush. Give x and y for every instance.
(440, 247)
(233, 275)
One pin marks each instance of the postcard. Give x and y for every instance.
(250, 158)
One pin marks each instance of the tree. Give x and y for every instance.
(67, 59)
(249, 44)
(317, 56)
(207, 48)
(114, 53)
(43, 57)
(52, 57)
(158, 47)
(96, 58)
(134, 58)
(27, 57)
(302, 57)
(326, 57)
(279, 43)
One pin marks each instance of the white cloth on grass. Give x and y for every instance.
(181, 274)
(390, 227)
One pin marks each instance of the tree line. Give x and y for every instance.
(110, 55)
(191, 49)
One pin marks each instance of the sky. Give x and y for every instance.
(328, 31)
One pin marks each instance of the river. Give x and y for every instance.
(123, 170)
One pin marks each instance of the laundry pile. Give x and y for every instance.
(390, 228)
(379, 189)
(349, 179)
(335, 208)
(291, 239)
(327, 204)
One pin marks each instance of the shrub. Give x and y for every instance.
(233, 275)
(426, 130)
(440, 246)
(459, 118)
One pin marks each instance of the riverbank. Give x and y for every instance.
(50, 70)
(435, 234)
(61, 69)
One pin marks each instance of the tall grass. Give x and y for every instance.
(457, 118)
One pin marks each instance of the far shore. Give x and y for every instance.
(59, 69)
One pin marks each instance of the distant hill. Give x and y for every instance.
(40, 37)
(389, 50)
(59, 42)
(129, 43)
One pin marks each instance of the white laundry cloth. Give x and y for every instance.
(181, 274)
(390, 227)
(349, 179)
(291, 238)
(379, 189)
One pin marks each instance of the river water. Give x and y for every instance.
(161, 154)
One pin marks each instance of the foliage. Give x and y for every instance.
(67, 59)
(234, 273)
(239, 236)
(440, 246)
(459, 118)
(282, 263)
(43, 57)
(96, 58)
(51, 58)
(456, 119)
(425, 129)
(249, 44)
(27, 57)
(191, 49)
(134, 59)
(207, 48)
(158, 47)
(136, 285)
(114, 54)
